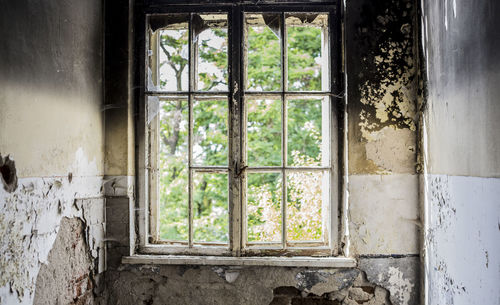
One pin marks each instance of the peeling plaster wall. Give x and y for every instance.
(68, 276)
(376, 281)
(51, 125)
(383, 188)
(382, 118)
(461, 136)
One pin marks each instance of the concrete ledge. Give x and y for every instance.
(300, 261)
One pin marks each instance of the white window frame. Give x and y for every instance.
(144, 214)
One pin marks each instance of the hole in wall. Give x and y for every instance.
(8, 173)
(355, 291)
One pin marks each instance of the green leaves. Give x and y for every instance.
(264, 64)
(304, 47)
(210, 140)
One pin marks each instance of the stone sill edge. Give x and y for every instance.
(300, 261)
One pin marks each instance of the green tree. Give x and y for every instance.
(210, 146)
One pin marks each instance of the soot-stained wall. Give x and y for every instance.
(381, 70)
(461, 135)
(51, 134)
(382, 127)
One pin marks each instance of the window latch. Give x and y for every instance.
(239, 169)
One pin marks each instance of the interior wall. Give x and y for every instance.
(51, 126)
(462, 122)
(382, 185)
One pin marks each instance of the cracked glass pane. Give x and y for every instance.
(169, 53)
(307, 43)
(210, 37)
(263, 52)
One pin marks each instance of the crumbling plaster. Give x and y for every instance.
(30, 221)
(159, 284)
(380, 113)
(69, 276)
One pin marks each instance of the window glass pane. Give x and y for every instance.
(264, 193)
(307, 199)
(173, 171)
(169, 53)
(210, 208)
(308, 132)
(210, 35)
(210, 132)
(264, 132)
(306, 51)
(263, 52)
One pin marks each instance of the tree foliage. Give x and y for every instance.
(210, 142)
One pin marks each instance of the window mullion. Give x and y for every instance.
(190, 128)
(235, 131)
(284, 87)
(334, 53)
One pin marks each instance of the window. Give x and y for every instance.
(240, 130)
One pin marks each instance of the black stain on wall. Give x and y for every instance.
(8, 173)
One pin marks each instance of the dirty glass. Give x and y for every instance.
(264, 132)
(306, 51)
(210, 208)
(264, 196)
(173, 169)
(210, 38)
(263, 52)
(210, 132)
(306, 196)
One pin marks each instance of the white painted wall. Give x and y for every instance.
(463, 240)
